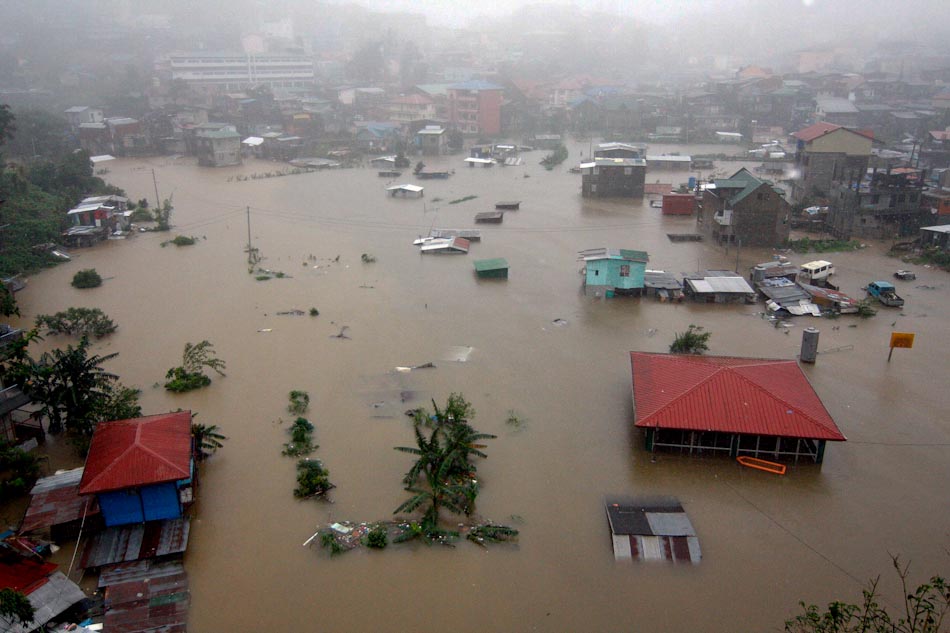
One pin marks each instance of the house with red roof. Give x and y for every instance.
(140, 469)
(727, 405)
(827, 153)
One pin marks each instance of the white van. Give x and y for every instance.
(815, 271)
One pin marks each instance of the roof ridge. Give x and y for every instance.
(719, 369)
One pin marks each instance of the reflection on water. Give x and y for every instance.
(768, 542)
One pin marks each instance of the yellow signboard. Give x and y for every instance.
(902, 339)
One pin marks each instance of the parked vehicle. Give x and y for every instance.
(816, 273)
(905, 275)
(884, 292)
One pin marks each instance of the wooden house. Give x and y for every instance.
(141, 469)
(613, 271)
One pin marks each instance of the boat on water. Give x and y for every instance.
(762, 464)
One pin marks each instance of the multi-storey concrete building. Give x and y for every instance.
(214, 72)
(745, 209)
(475, 107)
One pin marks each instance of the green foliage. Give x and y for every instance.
(15, 606)
(514, 420)
(178, 380)
(865, 311)
(18, 470)
(263, 278)
(367, 258)
(808, 245)
(463, 199)
(207, 440)
(443, 475)
(81, 321)
(313, 480)
(693, 341)
(489, 533)
(558, 156)
(924, 611)
(76, 393)
(87, 278)
(190, 374)
(181, 240)
(142, 214)
(314, 312)
(163, 216)
(931, 255)
(329, 542)
(377, 538)
(8, 306)
(299, 402)
(301, 439)
(39, 134)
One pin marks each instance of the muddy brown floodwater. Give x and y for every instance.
(768, 542)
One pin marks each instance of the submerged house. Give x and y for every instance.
(613, 177)
(718, 286)
(724, 405)
(141, 469)
(613, 271)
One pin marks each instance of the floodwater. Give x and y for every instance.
(768, 542)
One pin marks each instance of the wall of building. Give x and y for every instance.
(613, 181)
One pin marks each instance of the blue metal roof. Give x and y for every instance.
(475, 84)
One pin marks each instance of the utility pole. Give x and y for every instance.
(249, 252)
(738, 248)
(158, 201)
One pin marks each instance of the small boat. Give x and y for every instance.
(762, 464)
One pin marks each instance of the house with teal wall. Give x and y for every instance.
(613, 271)
(141, 469)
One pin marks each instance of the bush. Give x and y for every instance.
(377, 538)
(314, 312)
(299, 402)
(301, 439)
(313, 479)
(179, 381)
(692, 341)
(87, 278)
(82, 321)
(181, 240)
(141, 214)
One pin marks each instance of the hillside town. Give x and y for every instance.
(678, 277)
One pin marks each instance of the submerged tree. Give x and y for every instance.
(82, 321)
(190, 374)
(16, 607)
(443, 475)
(693, 341)
(924, 610)
(207, 440)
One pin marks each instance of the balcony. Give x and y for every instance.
(724, 217)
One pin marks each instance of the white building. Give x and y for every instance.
(236, 71)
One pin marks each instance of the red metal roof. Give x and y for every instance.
(25, 576)
(729, 395)
(138, 452)
(812, 132)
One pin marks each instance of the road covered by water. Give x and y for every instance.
(768, 542)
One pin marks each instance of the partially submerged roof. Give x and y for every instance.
(485, 265)
(410, 188)
(716, 284)
(661, 280)
(651, 528)
(55, 500)
(138, 452)
(728, 394)
(253, 141)
(605, 161)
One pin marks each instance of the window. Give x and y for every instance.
(625, 270)
(627, 171)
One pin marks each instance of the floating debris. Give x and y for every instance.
(342, 333)
(459, 354)
(292, 312)
(429, 365)
(560, 322)
(266, 329)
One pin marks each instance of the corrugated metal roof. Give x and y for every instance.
(651, 528)
(812, 132)
(497, 263)
(146, 596)
(729, 395)
(128, 543)
(55, 500)
(24, 575)
(56, 595)
(720, 284)
(137, 452)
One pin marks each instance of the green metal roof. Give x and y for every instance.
(636, 256)
(497, 263)
(729, 183)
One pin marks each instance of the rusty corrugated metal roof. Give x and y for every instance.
(146, 596)
(138, 452)
(128, 543)
(55, 500)
(729, 395)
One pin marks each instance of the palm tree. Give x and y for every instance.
(443, 474)
(207, 440)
